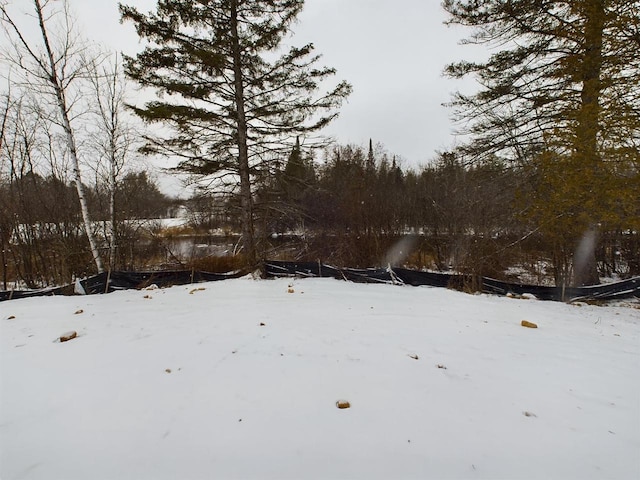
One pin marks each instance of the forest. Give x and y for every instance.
(545, 189)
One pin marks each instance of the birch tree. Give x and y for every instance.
(52, 66)
(114, 137)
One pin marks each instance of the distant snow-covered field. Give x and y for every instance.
(239, 380)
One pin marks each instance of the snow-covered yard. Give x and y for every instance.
(239, 380)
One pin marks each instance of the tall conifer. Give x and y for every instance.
(559, 95)
(232, 98)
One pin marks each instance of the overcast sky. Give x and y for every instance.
(392, 51)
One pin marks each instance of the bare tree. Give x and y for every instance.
(114, 136)
(53, 69)
(5, 220)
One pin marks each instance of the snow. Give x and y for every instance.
(240, 379)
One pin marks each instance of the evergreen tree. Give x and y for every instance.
(292, 188)
(561, 95)
(294, 176)
(230, 99)
(370, 164)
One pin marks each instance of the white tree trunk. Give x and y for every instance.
(86, 218)
(112, 214)
(58, 87)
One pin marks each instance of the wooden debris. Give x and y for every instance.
(196, 290)
(527, 324)
(65, 337)
(78, 312)
(342, 404)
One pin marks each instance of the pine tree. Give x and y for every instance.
(370, 165)
(294, 176)
(560, 95)
(231, 101)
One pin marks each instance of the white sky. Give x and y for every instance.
(393, 52)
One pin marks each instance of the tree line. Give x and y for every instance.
(355, 205)
(41, 234)
(549, 177)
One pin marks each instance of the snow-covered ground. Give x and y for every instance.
(239, 380)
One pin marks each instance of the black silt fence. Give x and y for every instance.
(110, 282)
